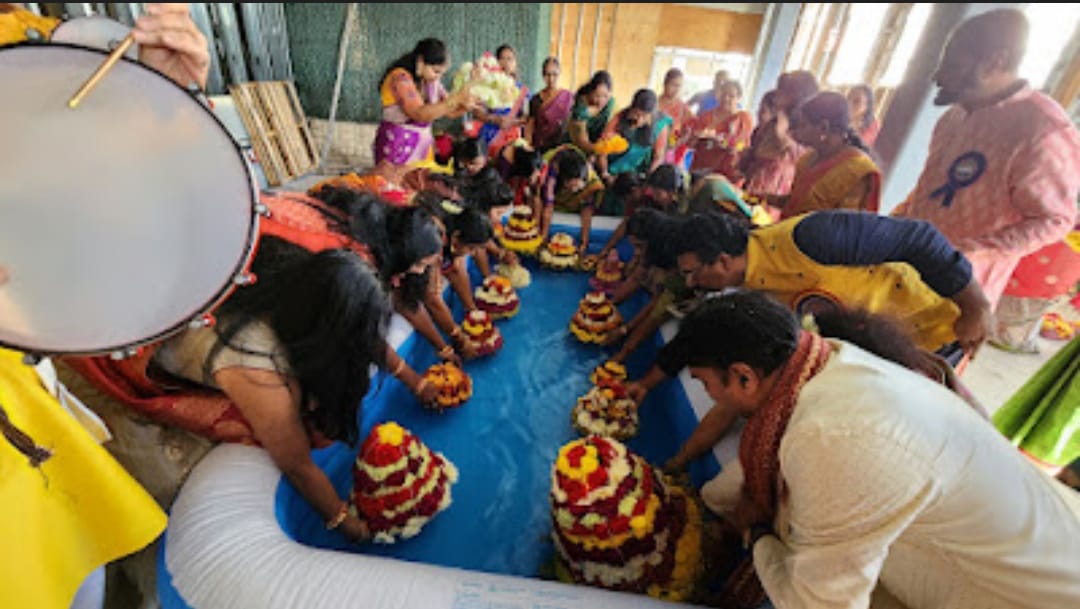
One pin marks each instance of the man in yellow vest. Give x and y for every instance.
(827, 260)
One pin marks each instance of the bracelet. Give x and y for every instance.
(397, 369)
(446, 352)
(456, 334)
(338, 518)
(421, 385)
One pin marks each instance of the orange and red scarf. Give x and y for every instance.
(759, 452)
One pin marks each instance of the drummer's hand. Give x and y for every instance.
(170, 43)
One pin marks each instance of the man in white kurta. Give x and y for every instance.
(893, 479)
(881, 487)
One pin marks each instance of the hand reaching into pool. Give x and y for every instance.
(675, 466)
(637, 392)
(615, 336)
(355, 529)
(426, 392)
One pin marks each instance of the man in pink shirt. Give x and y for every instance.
(1003, 173)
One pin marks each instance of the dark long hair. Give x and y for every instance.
(644, 101)
(878, 334)
(600, 78)
(868, 93)
(569, 163)
(363, 217)
(526, 162)
(398, 237)
(470, 225)
(431, 50)
(486, 189)
(831, 108)
(467, 150)
(660, 231)
(329, 313)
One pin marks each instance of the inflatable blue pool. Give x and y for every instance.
(503, 441)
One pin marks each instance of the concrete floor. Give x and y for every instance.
(995, 375)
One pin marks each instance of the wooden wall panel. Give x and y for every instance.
(635, 30)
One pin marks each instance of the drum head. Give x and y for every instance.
(123, 219)
(94, 31)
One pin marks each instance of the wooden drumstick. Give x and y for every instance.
(98, 74)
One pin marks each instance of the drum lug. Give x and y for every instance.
(244, 278)
(125, 353)
(196, 91)
(203, 321)
(32, 359)
(262, 210)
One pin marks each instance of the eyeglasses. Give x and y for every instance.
(555, 74)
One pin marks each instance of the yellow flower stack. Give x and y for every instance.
(560, 253)
(618, 524)
(399, 484)
(595, 318)
(521, 233)
(606, 410)
(608, 371)
(497, 297)
(455, 387)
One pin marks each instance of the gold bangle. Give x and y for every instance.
(397, 369)
(446, 352)
(338, 518)
(420, 386)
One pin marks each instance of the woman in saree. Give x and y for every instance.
(645, 130)
(503, 125)
(680, 113)
(838, 172)
(412, 97)
(549, 111)
(593, 107)
(768, 166)
(720, 135)
(861, 105)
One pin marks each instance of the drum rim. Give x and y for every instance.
(80, 18)
(251, 242)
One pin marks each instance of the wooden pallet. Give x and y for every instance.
(278, 129)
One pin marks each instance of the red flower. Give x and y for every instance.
(575, 455)
(574, 490)
(396, 479)
(598, 478)
(620, 524)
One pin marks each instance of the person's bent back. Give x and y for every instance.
(891, 484)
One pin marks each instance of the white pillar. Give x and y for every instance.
(777, 31)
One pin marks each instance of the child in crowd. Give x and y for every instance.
(570, 184)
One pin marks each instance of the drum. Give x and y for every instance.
(125, 219)
(94, 31)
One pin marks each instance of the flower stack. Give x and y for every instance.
(399, 484)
